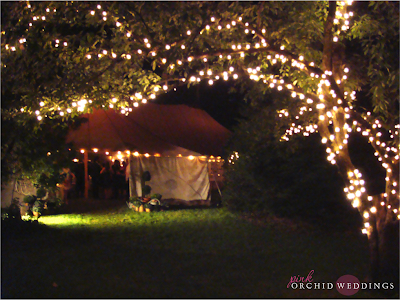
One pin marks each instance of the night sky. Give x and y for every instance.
(216, 100)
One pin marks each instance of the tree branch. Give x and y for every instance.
(144, 23)
(328, 38)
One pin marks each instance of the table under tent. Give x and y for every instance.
(177, 144)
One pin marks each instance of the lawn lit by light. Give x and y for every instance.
(130, 218)
(64, 220)
(131, 250)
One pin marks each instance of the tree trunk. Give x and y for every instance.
(383, 230)
(384, 246)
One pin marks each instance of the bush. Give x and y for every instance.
(133, 199)
(12, 212)
(156, 196)
(54, 203)
(29, 199)
(41, 192)
(38, 206)
(290, 179)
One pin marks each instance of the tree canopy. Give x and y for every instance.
(65, 56)
(336, 61)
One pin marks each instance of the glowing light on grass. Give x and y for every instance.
(63, 220)
(326, 110)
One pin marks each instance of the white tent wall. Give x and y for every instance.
(180, 180)
(164, 137)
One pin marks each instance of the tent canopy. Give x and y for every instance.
(165, 132)
(154, 129)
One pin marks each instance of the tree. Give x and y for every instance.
(338, 60)
(290, 179)
(33, 150)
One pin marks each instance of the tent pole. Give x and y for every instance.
(85, 161)
(132, 180)
(215, 179)
(142, 183)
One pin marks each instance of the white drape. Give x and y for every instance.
(172, 177)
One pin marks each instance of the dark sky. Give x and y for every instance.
(216, 100)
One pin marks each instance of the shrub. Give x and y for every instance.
(29, 199)
(133, 199)
(54, 203)
(12, 212)
(286, 178)
(38, 206)
(41, 192)
(156, 196)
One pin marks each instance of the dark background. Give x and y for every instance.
(216, 100)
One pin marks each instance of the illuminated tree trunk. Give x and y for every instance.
(385, 241)
(384, 244)
(380, 213)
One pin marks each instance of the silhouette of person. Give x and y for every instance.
(94, 171)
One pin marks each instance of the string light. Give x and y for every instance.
(336, 140)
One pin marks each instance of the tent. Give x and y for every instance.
(175, 143)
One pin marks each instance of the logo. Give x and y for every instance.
(301, 283)
(296, 280)
(346, 285)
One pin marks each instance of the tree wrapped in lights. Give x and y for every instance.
(338, 59)
(290, 179)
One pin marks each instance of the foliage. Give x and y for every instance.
(286, 179)
(33, 150)
(140, 24)
(85, 46)
(154, 204)
(38, 206)
(54, 203)
(148, 205)
(12, 223)
(336, 63)
(30, 199)
(45, 200)
(135, 201)
(41, 192)
(156, 196)
(12, 212)
(375, 35)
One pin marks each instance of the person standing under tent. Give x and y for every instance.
(105, 175)
(79, 171)
(68, 180)
(116, 173)
(94, 172)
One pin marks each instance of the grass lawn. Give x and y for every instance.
(115, 252)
